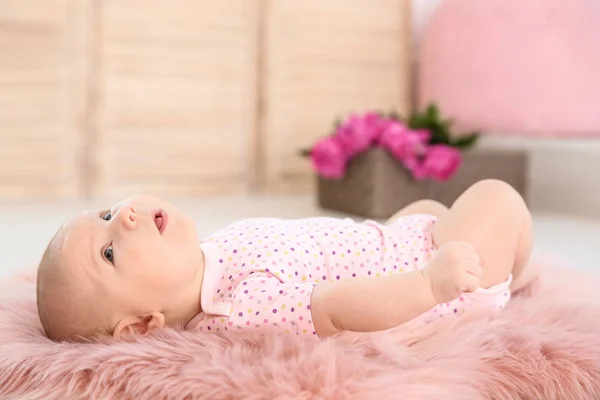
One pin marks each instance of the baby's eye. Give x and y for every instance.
(107, 216)
(108, 253)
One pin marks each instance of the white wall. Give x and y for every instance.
(422, 11)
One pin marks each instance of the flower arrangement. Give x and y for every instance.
(422, 144)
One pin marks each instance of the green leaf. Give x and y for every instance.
(338, 122)
(432, 112)
(444, 131)
(438, 137)
(305, 153)
(431, 119)
(467, 141)
(418, 121)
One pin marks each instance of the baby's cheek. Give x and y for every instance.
(167, 270)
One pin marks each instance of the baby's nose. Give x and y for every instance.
(126, 216)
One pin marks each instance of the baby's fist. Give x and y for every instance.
(455, 269)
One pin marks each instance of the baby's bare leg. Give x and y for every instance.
(492, 217)
(426, 206)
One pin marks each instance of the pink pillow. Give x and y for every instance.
(515, 67)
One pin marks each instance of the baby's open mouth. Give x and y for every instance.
(160, 219)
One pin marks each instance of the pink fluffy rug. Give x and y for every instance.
(542, 347)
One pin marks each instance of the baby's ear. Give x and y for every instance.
(143, 325)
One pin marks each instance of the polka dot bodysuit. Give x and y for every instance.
(260, 273)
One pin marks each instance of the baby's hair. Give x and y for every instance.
(63, 307)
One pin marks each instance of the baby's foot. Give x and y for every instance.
(529, 282)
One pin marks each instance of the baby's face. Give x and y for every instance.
(134, 256)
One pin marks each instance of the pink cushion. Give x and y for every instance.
(515, 67)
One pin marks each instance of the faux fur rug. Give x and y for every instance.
(542, 347)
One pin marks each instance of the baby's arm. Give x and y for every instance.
(375, 304)
(370, 304)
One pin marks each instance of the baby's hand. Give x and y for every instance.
(453, 270)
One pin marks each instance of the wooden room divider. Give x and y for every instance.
(186, 98)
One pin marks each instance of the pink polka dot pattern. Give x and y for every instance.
(269, 304)
(264, 270)
(260, 273)
(493, 298)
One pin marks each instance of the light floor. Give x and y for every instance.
(25, 229)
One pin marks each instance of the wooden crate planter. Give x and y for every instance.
(376, 185)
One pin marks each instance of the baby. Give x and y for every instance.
(140, 266)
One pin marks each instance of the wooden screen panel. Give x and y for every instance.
(176, 113)
(43, 78)
(325, 59)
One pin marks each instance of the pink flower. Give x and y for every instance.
(439, 163)
(405, 144)
(328, 158)
(358, 133)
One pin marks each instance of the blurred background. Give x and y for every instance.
(209, 103)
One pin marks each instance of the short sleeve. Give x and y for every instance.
(264, 304)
